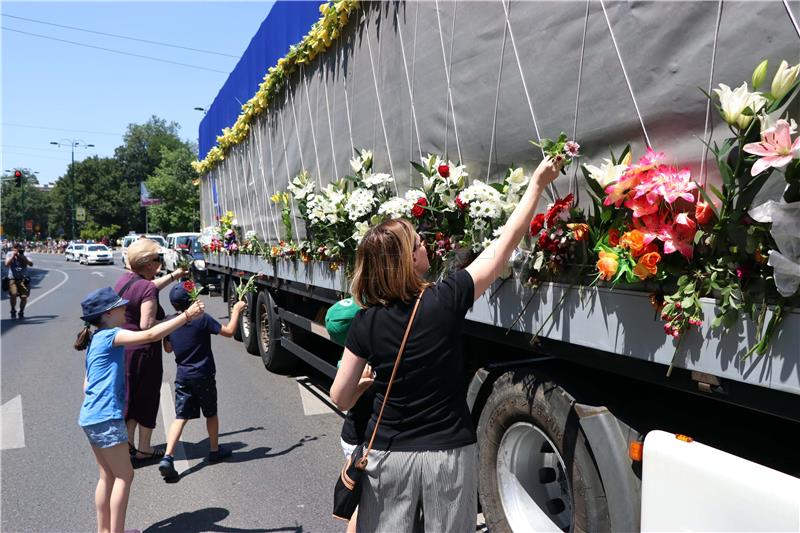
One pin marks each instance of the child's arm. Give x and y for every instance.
(230, 328)
(159, 331)
(85, 382)
(167, 345)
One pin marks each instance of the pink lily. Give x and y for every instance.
(776, 148)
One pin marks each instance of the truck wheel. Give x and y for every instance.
(232, 299)
(270, 328)
(536, 470)
(247, 325)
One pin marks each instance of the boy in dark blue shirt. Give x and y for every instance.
(195, 383)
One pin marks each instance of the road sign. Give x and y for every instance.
(29, 225)
(80, 214)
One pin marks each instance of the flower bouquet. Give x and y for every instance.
(192, 289)
(243, 289)
(559, 150)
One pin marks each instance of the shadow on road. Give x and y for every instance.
(200, 449)
(206, 520)
(8, 324)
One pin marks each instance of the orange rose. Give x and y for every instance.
(579, 231)
(647, 265)
(607, 264)
(613, 237)
(634, 241)
(703, 212)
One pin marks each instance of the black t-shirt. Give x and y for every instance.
(427, 408)
(354, 428)
(191, 344)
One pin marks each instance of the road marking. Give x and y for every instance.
(13, 430)
(168, 412)
(96, 273)
(312, 404)
(66, 278)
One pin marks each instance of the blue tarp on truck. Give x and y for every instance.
(288, 21)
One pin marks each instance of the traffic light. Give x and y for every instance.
(18, 178)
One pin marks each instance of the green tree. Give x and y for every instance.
(27, 202)
(174, 182)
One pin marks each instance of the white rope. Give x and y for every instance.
(289, 177)
(496, 102)
(791, 16)
(410, 89)
(706, 132)
(311, 122)
(272, 176)
(269, 211)
(450, 105)
(330, 125)
(625, 73)
(413, 78)
(250, 211)
(380, 109)
(551, 188)
(347, 104)
(297, 131)
(241, 210)
(573, 184)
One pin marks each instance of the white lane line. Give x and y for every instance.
(312, 405)
(12, 429)
(96, 273)
(168, 412)
(66, 278)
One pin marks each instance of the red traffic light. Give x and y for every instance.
(17, 174)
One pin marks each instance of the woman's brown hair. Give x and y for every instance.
(384, 271)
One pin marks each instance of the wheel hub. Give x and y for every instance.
(263, 333)
(532, 481)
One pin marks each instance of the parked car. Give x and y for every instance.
(73, 251)
(210, 281)
(176, 242)
(95, 254)
(129, 239)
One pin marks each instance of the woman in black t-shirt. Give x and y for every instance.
(424, 455)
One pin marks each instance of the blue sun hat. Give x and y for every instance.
(100, 301)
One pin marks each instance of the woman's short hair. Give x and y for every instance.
(384, 270)
(141, 252)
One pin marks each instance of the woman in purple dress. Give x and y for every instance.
(143, 366)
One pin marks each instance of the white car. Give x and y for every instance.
(129, 239)
(73, 251)
(96, 254)
(176, 242)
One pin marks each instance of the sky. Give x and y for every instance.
(56, 91)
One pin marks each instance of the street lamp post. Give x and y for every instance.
(73, 143)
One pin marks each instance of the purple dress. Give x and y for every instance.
(143, 365)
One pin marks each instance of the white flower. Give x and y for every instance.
(235, 222)
(498, 231)
(378, 181)
(770, 121)
(784, 79)
(734, 102)
(412, 195)
(301, 187)
(356, 164)
(249, 235)
(361, 231)
(360, 204)
(396, 208)
(607, 173)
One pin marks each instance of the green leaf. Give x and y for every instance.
(698, 235)
(419, 168)
(687, 302)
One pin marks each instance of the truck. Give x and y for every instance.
(580, 425)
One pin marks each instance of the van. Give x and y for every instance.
(128, 240)
(175, 242)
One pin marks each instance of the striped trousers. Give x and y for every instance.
(431, 491)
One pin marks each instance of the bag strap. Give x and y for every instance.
(362, 461)
(125, 287)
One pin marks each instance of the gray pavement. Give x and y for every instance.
(285, 440)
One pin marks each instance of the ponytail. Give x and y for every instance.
(84, 337)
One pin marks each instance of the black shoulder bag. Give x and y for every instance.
(347, 492)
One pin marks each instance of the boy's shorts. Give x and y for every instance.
(194, 395)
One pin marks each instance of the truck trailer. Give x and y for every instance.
(580, 427)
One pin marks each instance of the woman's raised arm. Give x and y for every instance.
(490, 263)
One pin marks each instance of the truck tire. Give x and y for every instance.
(232, 299)
(536, 470)
(247, 326)
(269, 329)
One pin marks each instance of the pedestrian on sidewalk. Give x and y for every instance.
(17, 279)
(195, 378)
(102, 411)
(143, 363)
(424, 458)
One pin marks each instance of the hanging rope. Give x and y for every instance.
(330, 124)
(289, 175)
(261, 156)
(450, 106)
(410, 87)
(311, 121)
(573, 184)
(496, 103)
(274, 185)
(791, 16)
(297, 131)
(346, 102)
(625, 73)
(707, 133)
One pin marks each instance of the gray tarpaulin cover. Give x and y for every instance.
(477, 80)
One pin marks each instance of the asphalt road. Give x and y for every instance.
(285, 438)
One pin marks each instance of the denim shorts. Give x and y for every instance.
(107, 434)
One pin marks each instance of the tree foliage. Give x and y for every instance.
(174, 182)
(29, 198)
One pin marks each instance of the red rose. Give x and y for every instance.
(613, 237)
(188, 286)
(439, 236)
(461, 204)
(537, 224)
(703, 212)
(419, 208)
(444, 170)
(558, 206)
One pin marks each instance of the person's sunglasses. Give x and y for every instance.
(155, 260)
